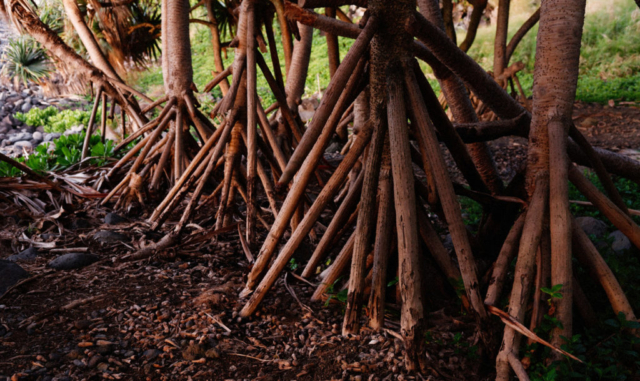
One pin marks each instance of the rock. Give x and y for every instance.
(37, 136)
(448, 243)
(103, 366)
(72, 261)
(108, 236)
(193, 352)
(22, 136)
(592, 226)
(23, 145)
(4, 128)
(29, 129)
(334, 147)
(27, 255)
(151, 354)
(94, 361)
(26, 107)
(75, 130)
(620, 243)
(80, 223)
(113, 219)
(10, 274)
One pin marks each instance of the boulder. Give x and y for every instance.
(10, 274)
(22, 145)
(619, 242)
(37, 136)
(21, 136)
(592, 226)
(72, 261)
(24, 256)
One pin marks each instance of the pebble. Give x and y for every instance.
(72, 261)
(27, 255)
(151, 354)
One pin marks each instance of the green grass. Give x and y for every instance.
(609, 58)
(317, 76)
(609, 62)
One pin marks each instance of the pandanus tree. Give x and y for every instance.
(533, 208)
(241, 112)
(22, 15)
(398, 122)
(167, 157)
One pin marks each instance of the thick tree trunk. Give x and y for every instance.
(177, 48)
(555, 81)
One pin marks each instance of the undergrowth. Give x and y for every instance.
(54, 120)
(67, 152)
(609, 57)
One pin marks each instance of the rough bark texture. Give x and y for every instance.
(461, 107)
(556, 78)
(88, 39)
(177, 49)
(215, 44)
(500, 43)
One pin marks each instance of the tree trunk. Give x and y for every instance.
(555, 82)
(500, 44)
(88, 39)
(177, 48)
(474, 23)
(215, 44)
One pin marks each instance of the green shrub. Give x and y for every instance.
(53, 120)
(25, 61)
(67, 152)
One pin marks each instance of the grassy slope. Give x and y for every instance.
(610, 56)
(151, 80)
(610, 61)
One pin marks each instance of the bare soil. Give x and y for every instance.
(174, 317)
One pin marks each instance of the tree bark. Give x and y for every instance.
(554, 89)
(500, 44)
(215, 44)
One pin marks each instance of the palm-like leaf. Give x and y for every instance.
(25, 61)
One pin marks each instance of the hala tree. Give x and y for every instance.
(386, 187)
(393, 106)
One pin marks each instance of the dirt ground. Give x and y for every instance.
(174, 317)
